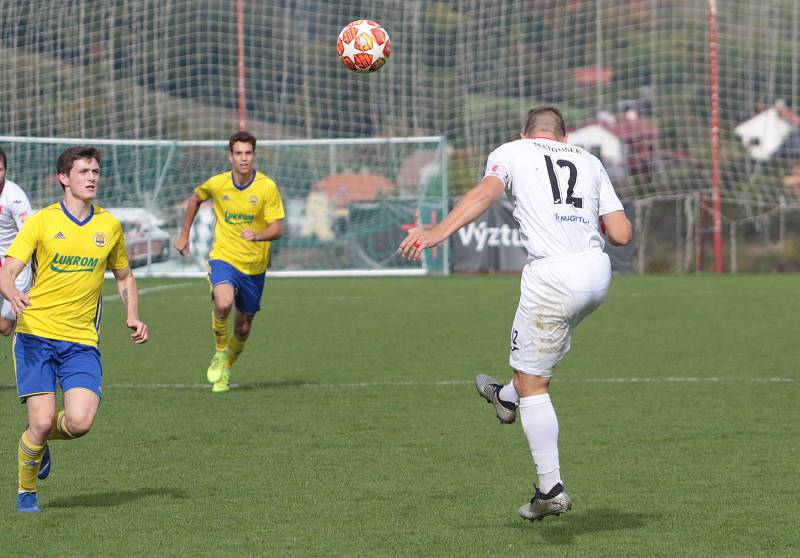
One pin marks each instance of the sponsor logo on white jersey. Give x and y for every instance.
(572, 219)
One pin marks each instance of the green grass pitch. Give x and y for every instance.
(356, 429)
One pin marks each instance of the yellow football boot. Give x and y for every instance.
(221, 385)
(214, 372)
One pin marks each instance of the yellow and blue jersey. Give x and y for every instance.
(253, 205)
(69, 259)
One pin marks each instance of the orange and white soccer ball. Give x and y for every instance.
(363, 46)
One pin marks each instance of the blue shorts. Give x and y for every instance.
(39, 362)
(247, 288)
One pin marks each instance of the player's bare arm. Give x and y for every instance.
(273, 231)
(182, 242)
(469, 208)
(8, 275)
(618, 228)
(129, 294)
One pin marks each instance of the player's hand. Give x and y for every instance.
(140, 333)
(415, 242)
(19, 302)
(182, 245)
(248, 234)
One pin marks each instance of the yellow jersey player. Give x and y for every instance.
(71, 244)
(249, 214)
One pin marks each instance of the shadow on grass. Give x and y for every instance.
(115, 497)
(273, 385)
(564, 529)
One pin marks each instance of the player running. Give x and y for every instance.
(249, 214)
(71, 244)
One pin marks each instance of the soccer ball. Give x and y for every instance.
(363, 46)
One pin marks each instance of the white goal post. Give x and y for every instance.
(348, 201)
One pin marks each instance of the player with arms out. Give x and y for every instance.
(561, 193)
(71, 245)
(14, 211)
(249, 214)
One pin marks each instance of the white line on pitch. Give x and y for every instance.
(652, 380)
(151, 290)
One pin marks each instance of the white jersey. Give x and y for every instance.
(559, 192)
(14, 211)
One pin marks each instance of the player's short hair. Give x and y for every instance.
(3, 157)
(244, 137)
(545, 119)
(68, 158)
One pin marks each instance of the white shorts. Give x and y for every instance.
(23, 282)
(555, 295)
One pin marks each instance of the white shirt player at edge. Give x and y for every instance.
(559, 191)
(14, 211)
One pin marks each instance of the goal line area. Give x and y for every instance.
(349, 202)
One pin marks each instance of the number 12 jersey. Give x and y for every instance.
(559, 192)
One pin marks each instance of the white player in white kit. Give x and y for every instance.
(14, 211)
(561, 194)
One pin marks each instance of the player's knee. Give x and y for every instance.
(242, 331)
(41, 425)
(529, 384)
(79, 429)
(80, 424)
(6, 327)
(223, 308)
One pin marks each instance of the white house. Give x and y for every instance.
(764, 133)
(627, 144)
(601, 141)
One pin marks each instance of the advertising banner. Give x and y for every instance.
(491, 244)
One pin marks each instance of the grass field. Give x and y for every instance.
(356, 429)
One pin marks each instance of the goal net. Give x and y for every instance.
(348, 202)
(633, 78)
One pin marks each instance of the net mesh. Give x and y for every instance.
(347, 202)
(632, 79)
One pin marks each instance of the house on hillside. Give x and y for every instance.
(592, 75)
(765, 133)
(342, 189)
(627, 144)
(327, 208)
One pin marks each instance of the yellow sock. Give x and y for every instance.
(235, 348)
(29, 457)
(59, 430)
(220, 329)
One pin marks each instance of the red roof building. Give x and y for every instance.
(341, 189)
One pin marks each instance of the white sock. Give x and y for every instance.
(540, 425)
(508, 393)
